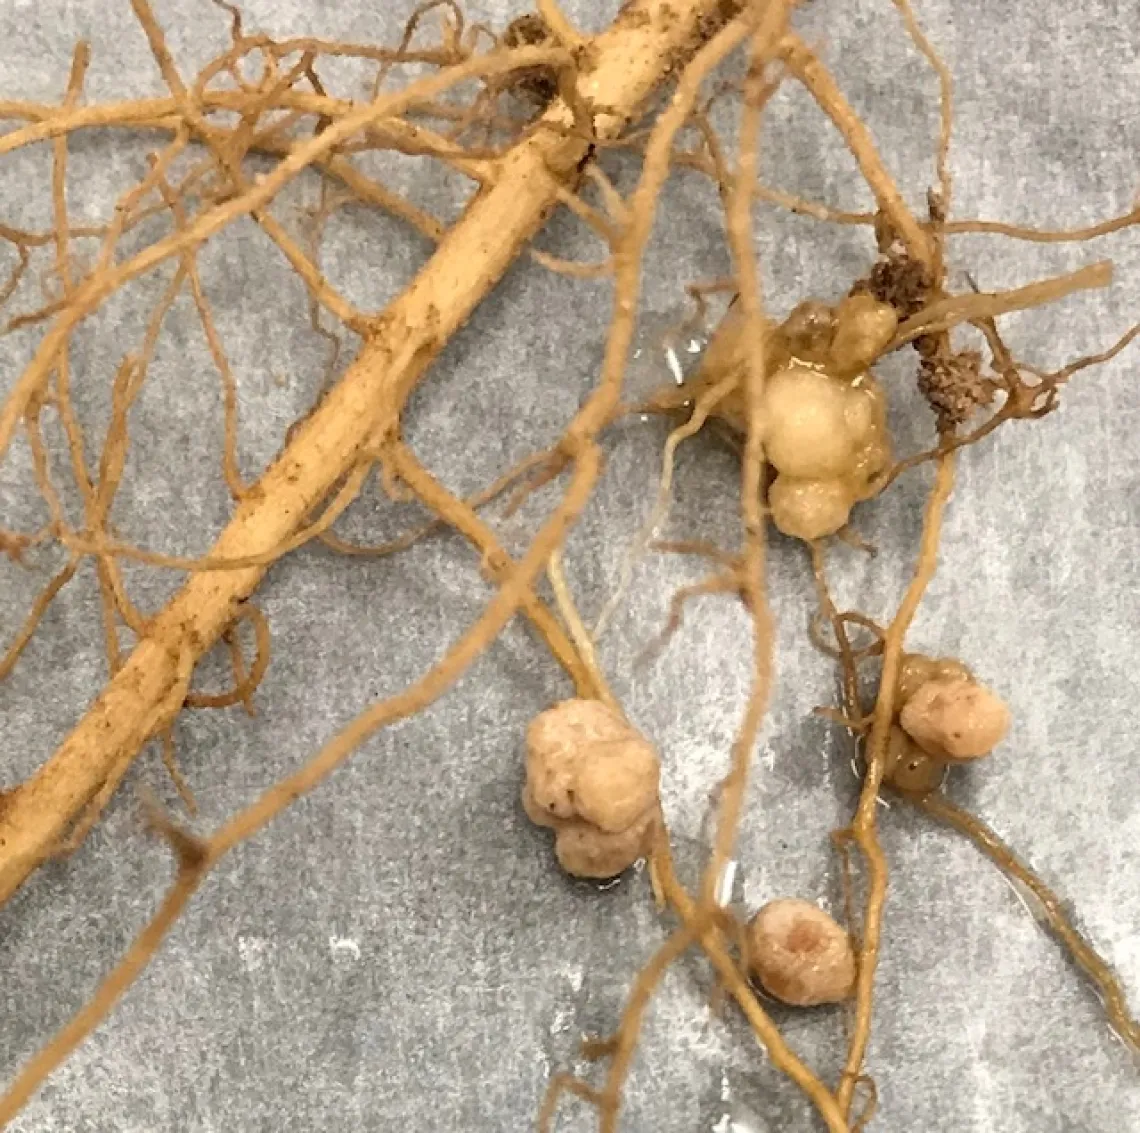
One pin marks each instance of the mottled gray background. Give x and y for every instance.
(398, 951)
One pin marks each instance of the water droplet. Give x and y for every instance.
(735, 1117)
(607, 884)
(664, 353)
(726, 883)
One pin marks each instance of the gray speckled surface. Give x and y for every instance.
(398, 951)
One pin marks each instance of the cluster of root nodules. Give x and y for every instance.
(800, 397)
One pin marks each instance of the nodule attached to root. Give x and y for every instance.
(916, 669)
(824, 415)
(864, 328)
(593, 779)
(955, 719)
(909, 769)
(944, 717)
(799, 954)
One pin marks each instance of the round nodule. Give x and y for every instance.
(809, 509)
(955, 719)
(799, 954)
(808, 330)
(806, 434)
(916, 669)
(585, 851)
(594, 780)
(863, 329)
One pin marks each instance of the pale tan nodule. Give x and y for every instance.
(799, 954)
(593, 779)
(955, 719)
(824, 418)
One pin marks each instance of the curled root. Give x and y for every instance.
(245, 685)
